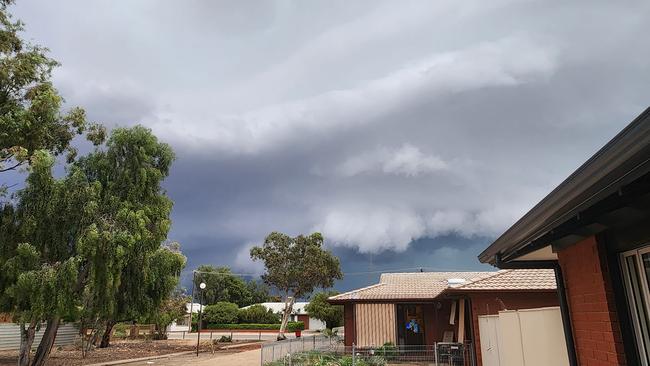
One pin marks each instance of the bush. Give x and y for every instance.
(291, 326)
(258, 314)
(221, 313)
(387, 351)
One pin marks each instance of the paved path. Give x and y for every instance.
(246, 358)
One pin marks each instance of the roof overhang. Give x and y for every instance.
(612, 186)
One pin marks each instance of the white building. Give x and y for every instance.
(297, 315)
(183, 324)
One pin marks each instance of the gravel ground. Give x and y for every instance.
(122, 350)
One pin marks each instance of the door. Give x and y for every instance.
(304, 319)
(410, 325)
(635, 266)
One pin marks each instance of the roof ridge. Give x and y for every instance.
(487, 277)
(357, 290)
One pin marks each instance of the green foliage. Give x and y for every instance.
(258, 292)
(31, 116)
(257, 314)
(319, 358)
(89, 244)
(388, 351)
(172, 308)
(295, 266)
(222, 312)
(320, 309)
(39, 254)
(225, 339)
(223, 285)
(134, 272)
(291, 326)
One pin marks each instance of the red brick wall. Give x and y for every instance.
(596, 330)
(491, 303)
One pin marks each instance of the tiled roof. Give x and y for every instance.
(429, 285)
(514, 279)
(417, 285)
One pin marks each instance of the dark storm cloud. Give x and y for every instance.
(409, 133)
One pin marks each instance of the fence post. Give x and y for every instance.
(183, 334)
(435, 351)
(262, 355)
(354, 355)
(314, 342)
(303, 344)
(273, 355)
(260, 338)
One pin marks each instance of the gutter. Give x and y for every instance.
(561, 293)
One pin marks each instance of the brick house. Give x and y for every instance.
(593, 230)
(445, 305)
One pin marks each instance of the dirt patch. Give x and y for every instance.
(126, 349)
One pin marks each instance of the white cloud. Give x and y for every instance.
(506, 62)
(372, 229)
(243, 262)
(407, 160)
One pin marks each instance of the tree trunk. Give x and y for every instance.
(26, 341)
(44, 348)
(106, 338)
(288, 308)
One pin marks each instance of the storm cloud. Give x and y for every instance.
(410, 133)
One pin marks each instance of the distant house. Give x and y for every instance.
(423, 308)
(594, 230)
(297, 315)
(183, 324)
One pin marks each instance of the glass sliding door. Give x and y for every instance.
(636, 274)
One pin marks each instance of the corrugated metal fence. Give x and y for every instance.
(10, 336)
(375, 324)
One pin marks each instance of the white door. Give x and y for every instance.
(488, 332)
(636, 272)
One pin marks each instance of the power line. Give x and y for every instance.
(393, 270)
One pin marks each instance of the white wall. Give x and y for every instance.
(531, 337)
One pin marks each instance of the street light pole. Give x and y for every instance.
(192, 302)
(198, 326)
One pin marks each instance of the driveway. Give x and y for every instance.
(246, 358)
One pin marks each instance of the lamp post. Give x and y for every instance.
(198, 325)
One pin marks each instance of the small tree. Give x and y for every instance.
(320, 309)
(222, 285)
(173, 308)
(221, 313)
(258, 293)
(258, 314)
(295, 266)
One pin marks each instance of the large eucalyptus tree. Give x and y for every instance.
(295, 267)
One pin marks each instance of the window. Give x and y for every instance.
(635, 266)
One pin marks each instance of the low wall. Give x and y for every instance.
(10, 336)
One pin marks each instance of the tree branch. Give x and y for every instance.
(12, 167)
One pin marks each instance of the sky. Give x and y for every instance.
(410, 133)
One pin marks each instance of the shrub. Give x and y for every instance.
(225, 338)
(291, 326)
(221, 312)
(258, 314)
(387, 351)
